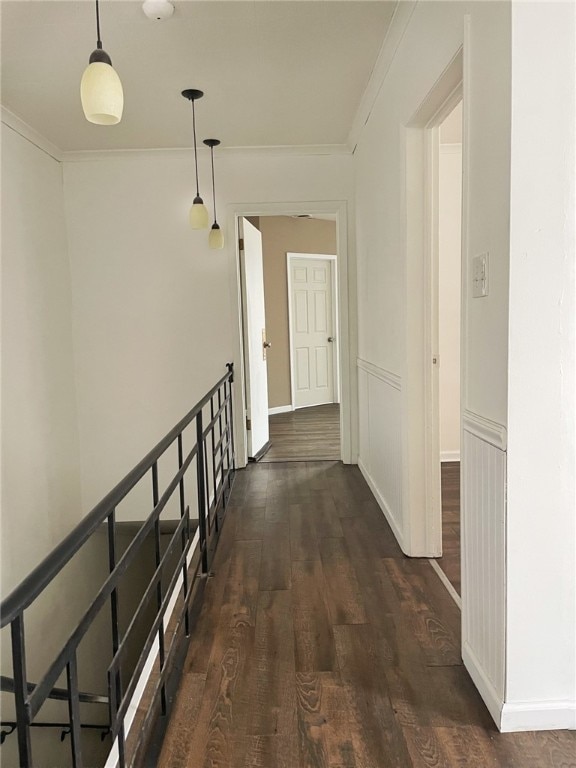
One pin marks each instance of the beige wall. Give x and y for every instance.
(280, 235)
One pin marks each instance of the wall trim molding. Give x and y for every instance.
(538, 716)
(450, 149)
(392, 379)
(449, 456)
(398, 25)
(86, 155)
(489, 431)
(489, 694)
(383, 504)
(446, 581)
(280, 409)
(77, 156)
(30, 134)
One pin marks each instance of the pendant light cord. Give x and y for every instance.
(98, 42)
(195, 149)
(213, 185)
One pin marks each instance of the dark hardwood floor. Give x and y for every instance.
(450, 560)
(305, 435)
(319, 645)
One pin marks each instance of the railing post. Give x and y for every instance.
(214, 483)
(230, 367)
(20, 691)
(74, 711)
(158, 557)
(200, 481)
(221, 437)
(114, 594)
(185, 536)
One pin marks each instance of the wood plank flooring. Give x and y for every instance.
(305, 435)
(319, 645)
(450, 560)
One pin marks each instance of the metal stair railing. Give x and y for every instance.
(212, 456)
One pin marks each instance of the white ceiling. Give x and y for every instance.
(274, 73)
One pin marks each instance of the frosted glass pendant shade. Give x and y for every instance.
(199, 214)
(101, 94)
(216, 238)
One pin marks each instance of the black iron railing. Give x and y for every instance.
(211, 464)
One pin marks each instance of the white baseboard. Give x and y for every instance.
(538, 716)
(383, 505)
(450, 456)
(446, 581)
(493, 701)
(280, 409)
(511, 717)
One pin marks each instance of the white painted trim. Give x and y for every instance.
(326, 256)
(522, 715)
(538, 716)
(446, 581)
(489, 695)
(450, 149)
(112, 759)
(383, 505)
(398, 25)
(79, 156)
(392, 379)
(347, 329)
(335, 314)
(485, 429)
(449, 456)
(280, 409)
(18, 125)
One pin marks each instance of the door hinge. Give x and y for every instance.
(248, 423)
(241, 243)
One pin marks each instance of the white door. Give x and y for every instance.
(312, 334)
(254, 338)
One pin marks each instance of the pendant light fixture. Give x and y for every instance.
(101, 89)
(216, 236)
(198, 212)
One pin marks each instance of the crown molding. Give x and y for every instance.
(398, 25)
(78, 156)
(18, 125)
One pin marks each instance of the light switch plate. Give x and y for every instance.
(480, 276)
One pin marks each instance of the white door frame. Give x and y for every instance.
(335, 312)
(421, 433)
(347, 320)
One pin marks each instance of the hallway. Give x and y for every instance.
(320, 644)
(311, 434)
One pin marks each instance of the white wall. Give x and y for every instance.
(521, 94)
(41, 468)
(41, 500)
(449, 276)
(541, 533)
(391, 298)
(154, 319)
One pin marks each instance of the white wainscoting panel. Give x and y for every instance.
(380, 457)
(484, 557)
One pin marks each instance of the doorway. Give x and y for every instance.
(449, 237)
(290, 340)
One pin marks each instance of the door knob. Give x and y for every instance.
(267, 344)
(330, 338)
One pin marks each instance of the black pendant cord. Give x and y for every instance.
(98, 42)
(213, 185)
(195, 148)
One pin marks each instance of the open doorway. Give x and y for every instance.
(289, 279)
(449, 234)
